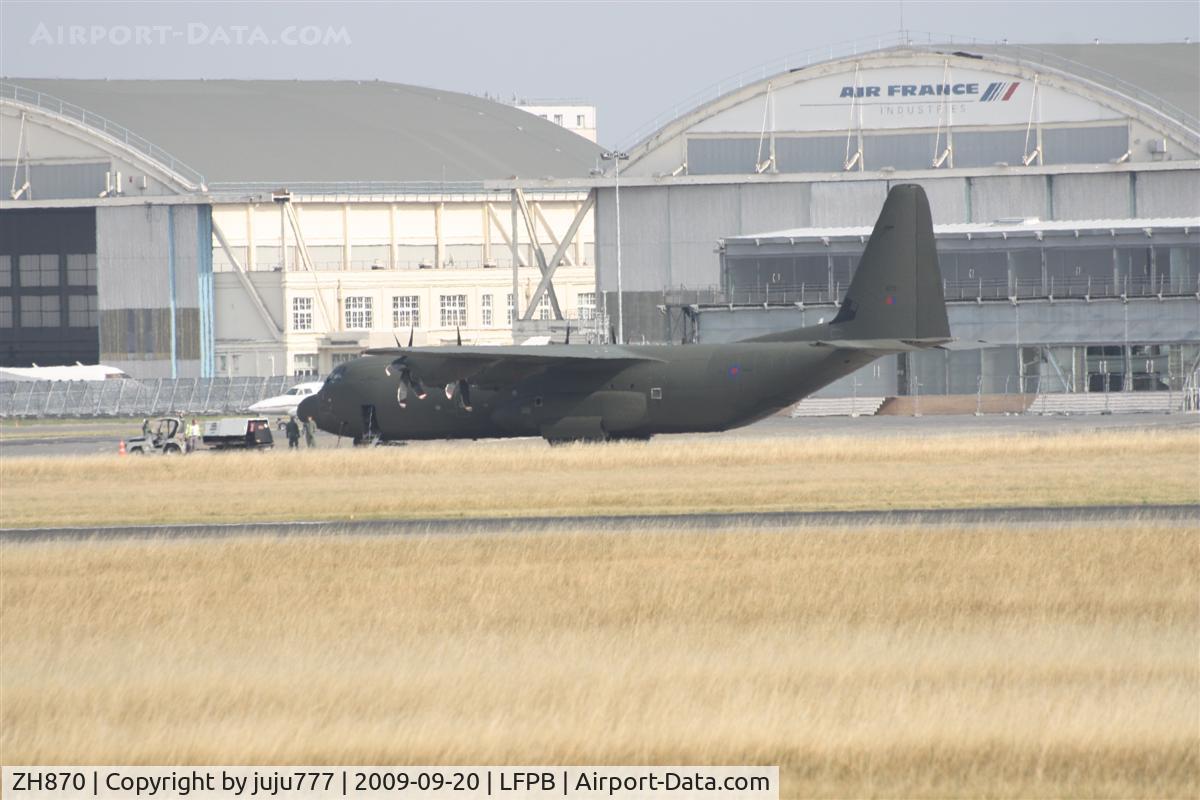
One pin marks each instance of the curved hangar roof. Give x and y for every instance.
(247, 131)
(1003, 104)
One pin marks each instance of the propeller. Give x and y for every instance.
(612, 334)
(568, 341)
(411, 331)
(463, 390)
(409, 383)
(458, 335)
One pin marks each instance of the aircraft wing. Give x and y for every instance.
(503, 365)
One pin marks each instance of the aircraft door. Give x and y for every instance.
(370, 423)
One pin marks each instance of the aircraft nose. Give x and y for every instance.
(307, 407)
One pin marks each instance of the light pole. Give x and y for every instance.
(616, 156)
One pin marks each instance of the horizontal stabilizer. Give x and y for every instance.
(882, 345)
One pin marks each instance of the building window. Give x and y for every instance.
(454, 310)
(585, 302)
(485, 310)
(302, 313)
(81, 269)
(304, 365)
(545, 311)
(579, 121)
(359, 313)
(6, 313)
(558, 119)
(81, 311)
(38, 311)
(5, 270)
(337, 359)
(510, 309)
(406, 311)
(39, 270)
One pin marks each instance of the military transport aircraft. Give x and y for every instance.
(607, 392)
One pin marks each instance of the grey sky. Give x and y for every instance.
(634, 61)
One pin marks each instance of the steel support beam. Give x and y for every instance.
(272, 326)
(545, 285)
(531, 229)
(508, 240)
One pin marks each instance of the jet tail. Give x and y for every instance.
(896, 293)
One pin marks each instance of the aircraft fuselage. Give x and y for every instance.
(692, 388)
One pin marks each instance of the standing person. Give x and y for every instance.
(310, 432)
(193, 435)
(293, 433)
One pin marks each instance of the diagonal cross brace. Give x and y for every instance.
(273, 327)
(547, 272)
(545, 286)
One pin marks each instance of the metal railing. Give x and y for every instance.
(383, 191)
(133, 398)
(778, 294)
(89, 119)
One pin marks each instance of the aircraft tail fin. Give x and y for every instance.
(896, 292)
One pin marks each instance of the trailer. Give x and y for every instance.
(238, 432)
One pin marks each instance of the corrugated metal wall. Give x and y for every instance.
(1168, 194)
(1084, 145)
(645, 239)
(899, 150)
(810, 154)
(149, 266)
(843, 204)
(947, 199)
(695, 212)
(772, 207)
(58, 181)
(738, 155)
(994, 198)
(1090, 196)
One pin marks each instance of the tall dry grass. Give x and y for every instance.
(1021, 662)
(526, 477)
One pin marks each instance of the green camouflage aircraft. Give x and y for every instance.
(568, 392)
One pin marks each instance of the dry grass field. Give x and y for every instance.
(520, 477)
(1020, 662)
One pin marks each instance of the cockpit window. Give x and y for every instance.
(339, 372)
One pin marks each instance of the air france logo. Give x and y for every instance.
(994, 91)
(999, 91)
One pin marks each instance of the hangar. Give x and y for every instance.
(1064, 181)
(203, 228)
(178, 228)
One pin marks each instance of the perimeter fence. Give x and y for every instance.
(137, 398)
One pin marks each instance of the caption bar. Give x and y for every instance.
(365, 783)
